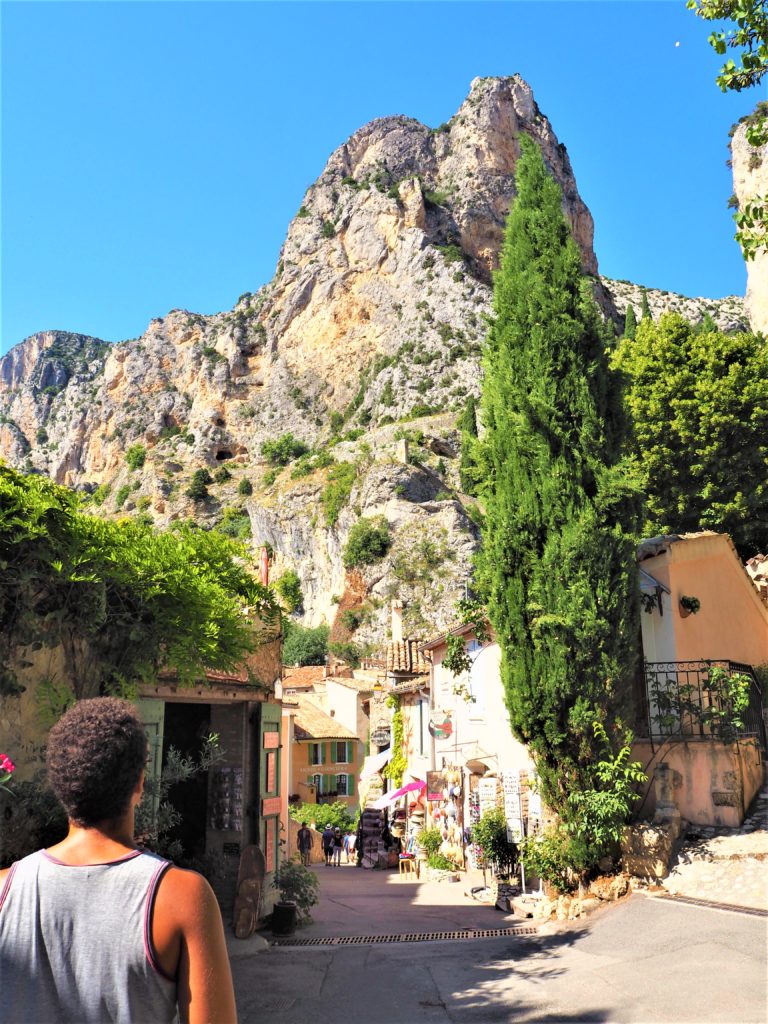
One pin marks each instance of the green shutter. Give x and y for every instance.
(334, 751)
(350, 785)
(323, 753)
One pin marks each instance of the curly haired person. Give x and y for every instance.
(94, 929)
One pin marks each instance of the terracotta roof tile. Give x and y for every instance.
(410, 685)
(312, 723)
(304, 677)
(405, 656)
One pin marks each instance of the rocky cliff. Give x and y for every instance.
(750, 179)
(368, 335)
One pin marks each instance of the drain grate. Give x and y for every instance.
(369, 940)
(713, 905)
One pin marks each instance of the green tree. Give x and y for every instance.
(288, 586)
(245, 487)
(305, 646)
(630, 322)
(699, 401)
(557, 564)
(120, 599)
(283, 449)
(468, 469)
(750, 36)
(645, 309)
(198, 485)
(369, 540)
(135, 456)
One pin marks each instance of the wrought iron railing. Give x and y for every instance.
(706, 699)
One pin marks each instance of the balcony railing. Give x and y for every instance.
(702, 699)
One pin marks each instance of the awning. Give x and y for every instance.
(374, 763)
(389, 798)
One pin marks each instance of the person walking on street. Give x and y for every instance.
(95, 929)
(349, 846)
(328, 844)
(304, 844)
(338, 843)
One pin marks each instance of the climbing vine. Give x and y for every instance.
(398, 762)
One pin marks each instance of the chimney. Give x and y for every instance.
(397, 622)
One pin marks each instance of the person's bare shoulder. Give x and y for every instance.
(4, 874)
(185, 897)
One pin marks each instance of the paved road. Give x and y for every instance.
(645, 961)
(726, 865)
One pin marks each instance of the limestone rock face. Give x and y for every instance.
(750, 179)
(370, 331)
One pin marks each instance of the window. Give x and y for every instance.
(316, 753)
(342, 752)
(423, 716)
(345, 785)
(317, 782)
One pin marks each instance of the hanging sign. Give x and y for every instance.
(437, 785)
(487, 792)
(380, 736)
(440, 725)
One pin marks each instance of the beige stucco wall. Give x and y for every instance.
(417, 741)
(481, 730)
(716, 781)
(732, 622)
(344, 702)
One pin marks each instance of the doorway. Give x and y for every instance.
(186, 727)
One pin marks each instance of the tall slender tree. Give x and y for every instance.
(468, 471)
(557, 565)
(630, 322)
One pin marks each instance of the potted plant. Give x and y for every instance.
(689, 606)
(298, 893)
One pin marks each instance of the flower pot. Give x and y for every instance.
(284, 917)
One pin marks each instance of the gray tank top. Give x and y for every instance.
(75, 943)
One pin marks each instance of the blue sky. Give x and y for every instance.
(154, 153)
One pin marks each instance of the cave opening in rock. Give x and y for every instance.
(222, 455)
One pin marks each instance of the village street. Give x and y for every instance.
(644, 960)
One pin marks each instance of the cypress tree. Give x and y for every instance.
(645, 309)
(557, 564)
(468, 471)
(630, 323)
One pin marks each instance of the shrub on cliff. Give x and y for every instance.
(283, 449)
(369, 540)
(136, 456)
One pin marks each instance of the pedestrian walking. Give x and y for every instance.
(350, 840)
(338, 843)
(304, 844)
(327, 840)
(95, 929)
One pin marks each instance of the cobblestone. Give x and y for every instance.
(726, 865)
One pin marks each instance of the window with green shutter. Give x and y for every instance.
(341, 752)
(345, 785)
(316, 753)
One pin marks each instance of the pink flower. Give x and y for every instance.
(6, 764)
